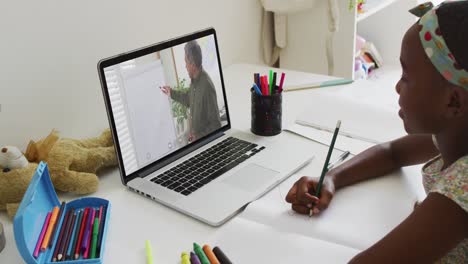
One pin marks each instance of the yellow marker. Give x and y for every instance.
(149, 253)
(53, 219)
(185, 258)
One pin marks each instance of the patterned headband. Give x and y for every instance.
(435, 47)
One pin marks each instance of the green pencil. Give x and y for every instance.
(327, 160)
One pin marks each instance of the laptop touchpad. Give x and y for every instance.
(251, 177)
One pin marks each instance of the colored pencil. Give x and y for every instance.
(60, 236)
(88, 234)
(57, 219)
(66, 235)
(71, 253)
(76, 224)
(80, 236)
(101, 231)
(42, 234)
(50, 227)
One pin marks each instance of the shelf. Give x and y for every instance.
(373, 6)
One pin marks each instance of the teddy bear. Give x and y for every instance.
(72, 166)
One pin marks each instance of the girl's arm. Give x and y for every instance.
(374, 162)
(384, 158)
(436, 226)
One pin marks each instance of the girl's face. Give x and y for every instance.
(421, 88)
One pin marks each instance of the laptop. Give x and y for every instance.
(169, 117)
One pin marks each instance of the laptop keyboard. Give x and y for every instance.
(206, 166)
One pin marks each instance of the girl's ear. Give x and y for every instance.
(458, 102)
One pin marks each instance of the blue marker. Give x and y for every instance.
(257, 89)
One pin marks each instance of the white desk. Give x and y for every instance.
(358, 216)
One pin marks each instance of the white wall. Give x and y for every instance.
(49, 50)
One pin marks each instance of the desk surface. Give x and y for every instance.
(358, 216)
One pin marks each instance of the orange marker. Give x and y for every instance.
(53, 219)
(211, 256)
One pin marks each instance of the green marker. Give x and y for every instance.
(201, 255)
(270, 81)
(94, 239)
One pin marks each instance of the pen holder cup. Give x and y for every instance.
(266, 114)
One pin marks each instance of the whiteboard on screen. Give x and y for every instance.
(149, 110)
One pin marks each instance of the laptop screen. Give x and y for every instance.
(165, 99)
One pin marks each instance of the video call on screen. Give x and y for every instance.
(151, 123)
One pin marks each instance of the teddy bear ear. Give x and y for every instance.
(31, 153)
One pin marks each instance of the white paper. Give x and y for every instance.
(358, 120)
(342, 143)
(358, 216)
(245, 241)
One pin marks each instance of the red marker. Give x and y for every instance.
(280, 88)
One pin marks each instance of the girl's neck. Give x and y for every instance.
(453, 144)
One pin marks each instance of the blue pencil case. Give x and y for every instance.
(40, 199)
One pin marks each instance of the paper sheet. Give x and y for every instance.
(358, 216)
(342, 143)
(245, 241)
(360, 121)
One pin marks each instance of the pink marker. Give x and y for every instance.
(280, 88)
(41, 236)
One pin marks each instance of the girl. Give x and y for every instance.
(433, 94)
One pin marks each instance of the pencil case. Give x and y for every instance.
(40, 199)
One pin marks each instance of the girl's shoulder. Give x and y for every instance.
(451, 182)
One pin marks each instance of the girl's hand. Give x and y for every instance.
(302, 197)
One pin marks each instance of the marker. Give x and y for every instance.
(221, 256)
(50, 227)
(42, 234)
(95, 237)
(185, 258)
(149, 252)
(194, 258)
(57, 218)
(265, 85)
(271, 81)
(280, 88)
(274, 83)
(201, 255)
(257, 90)
(257, 79)
(211, 256)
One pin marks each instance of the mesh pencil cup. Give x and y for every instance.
(266, 114)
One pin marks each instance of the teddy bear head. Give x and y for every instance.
(15, 174)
